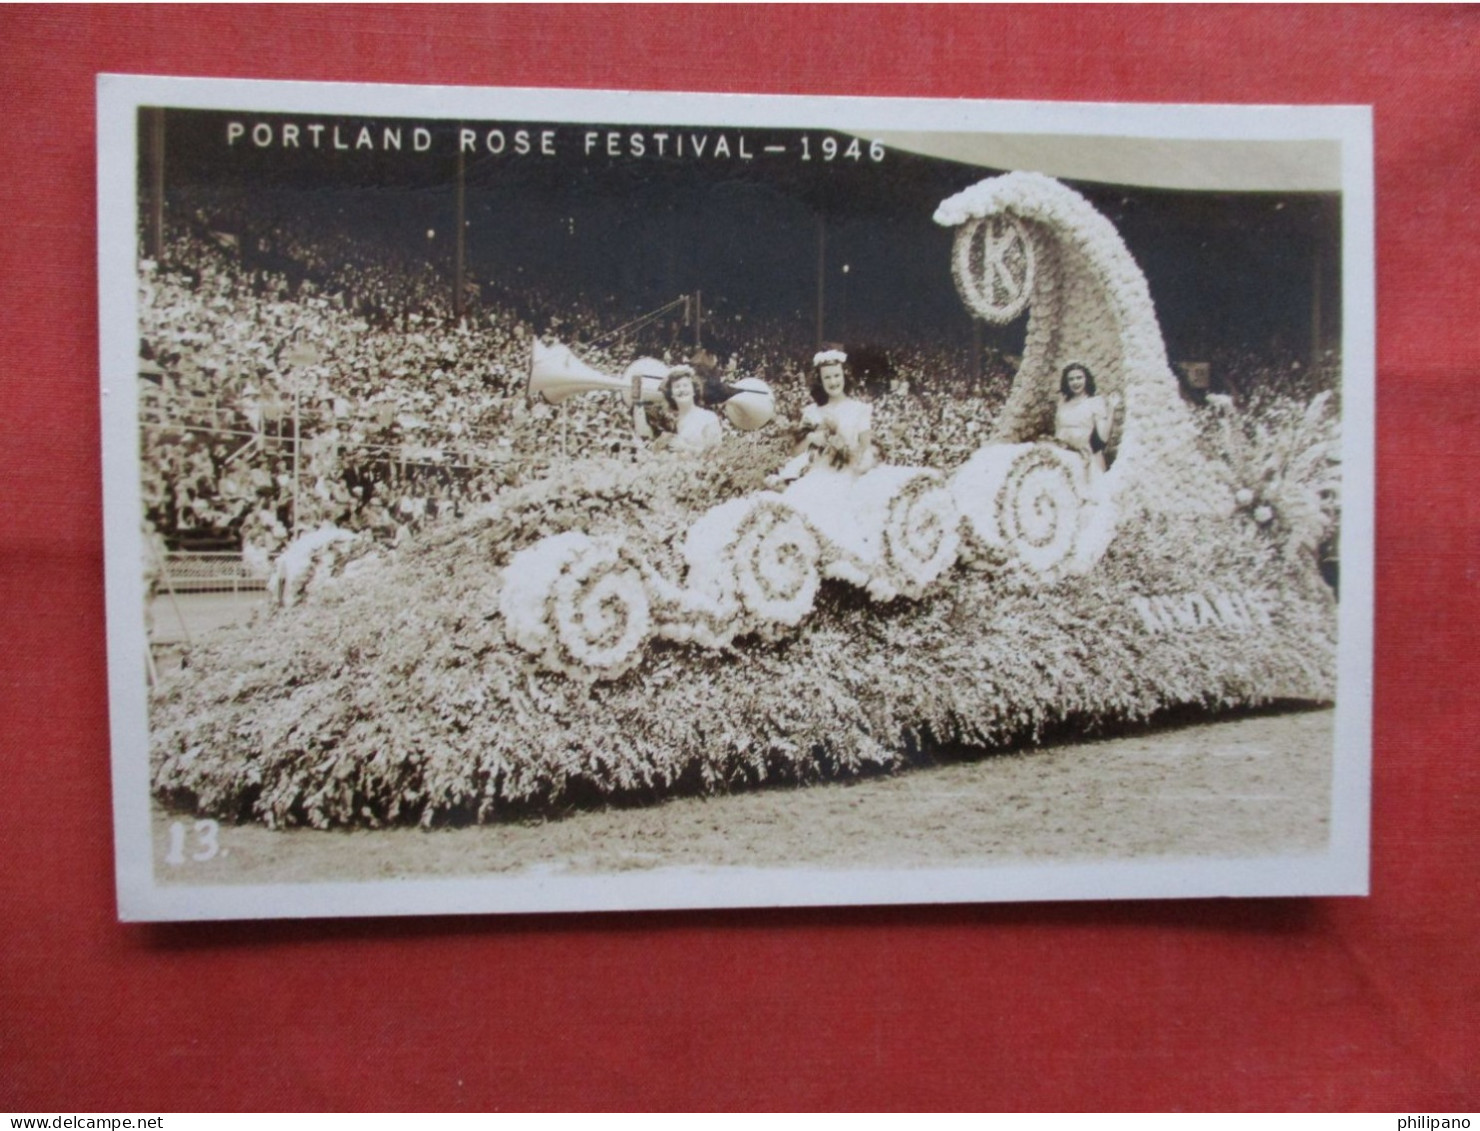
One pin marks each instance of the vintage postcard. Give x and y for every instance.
(529, 500)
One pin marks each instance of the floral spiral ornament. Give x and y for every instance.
(922, 535)
(1027, 501)
(578, 604)
(776, 559)
(1038, 508)
(994, 266)
(601, 613)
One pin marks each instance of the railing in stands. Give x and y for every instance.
(212, 573)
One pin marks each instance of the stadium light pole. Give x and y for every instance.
(298, 357)
(843, 316)
(821, 272)
(156, 182)
(459, 266)
(297, 443)
(1315, 305)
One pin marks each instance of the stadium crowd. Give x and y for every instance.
(286, 361)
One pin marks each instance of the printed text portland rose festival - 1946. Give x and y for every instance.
(331, 138)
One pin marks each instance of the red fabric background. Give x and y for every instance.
(1257, 1004)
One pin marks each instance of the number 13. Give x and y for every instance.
(207, 838)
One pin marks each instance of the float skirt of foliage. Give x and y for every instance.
(396, 697)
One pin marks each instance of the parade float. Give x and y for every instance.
(623, 630)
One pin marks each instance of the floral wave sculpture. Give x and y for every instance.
(1025, 241)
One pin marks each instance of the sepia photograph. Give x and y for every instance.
(529, 500)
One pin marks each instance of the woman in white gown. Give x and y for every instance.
(842, 428)
(836, 452)
(1083, 420)
(839, 436)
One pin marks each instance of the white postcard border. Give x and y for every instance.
(1341, 870)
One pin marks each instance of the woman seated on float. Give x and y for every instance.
(1083, 421)
(696, 430)
(839, 436)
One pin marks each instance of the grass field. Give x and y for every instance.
(1252, 785)
(182, 618)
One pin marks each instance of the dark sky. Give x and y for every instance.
(1226, 270)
